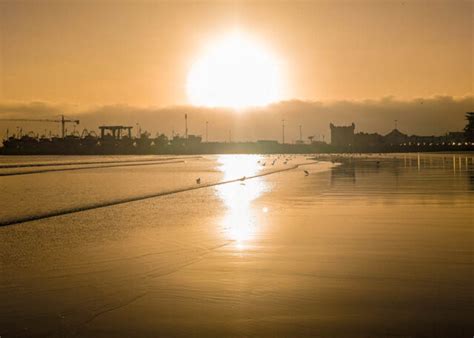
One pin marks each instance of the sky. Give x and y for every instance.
(83, 56)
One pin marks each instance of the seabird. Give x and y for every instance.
(306, 172)
(198, 180)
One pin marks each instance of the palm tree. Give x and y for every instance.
(469, 128)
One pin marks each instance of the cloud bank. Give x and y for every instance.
(423, 116)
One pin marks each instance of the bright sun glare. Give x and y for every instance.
(234, 72)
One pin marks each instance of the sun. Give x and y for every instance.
(235, 72)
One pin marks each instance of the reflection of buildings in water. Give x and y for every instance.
(470, 173)
(343, 173)
(240, 221)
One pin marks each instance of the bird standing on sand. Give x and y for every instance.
(306, 173)
(198, 180)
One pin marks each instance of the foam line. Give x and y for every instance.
(71, 210)
(50, 164)
(83, 168)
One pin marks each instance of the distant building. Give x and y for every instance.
(456, 136)
(368, 141)
(180, 141)
(194, 139)
(396, 137)
(115, 132)
(342, 136)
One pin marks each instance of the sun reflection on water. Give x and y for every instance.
(240, 221)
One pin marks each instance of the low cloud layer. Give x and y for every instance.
(424, 116)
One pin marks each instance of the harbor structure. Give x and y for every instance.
(119, 139)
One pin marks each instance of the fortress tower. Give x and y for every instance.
(342, 136)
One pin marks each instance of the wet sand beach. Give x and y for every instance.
(361, 246)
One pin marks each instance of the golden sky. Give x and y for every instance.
(139, 53)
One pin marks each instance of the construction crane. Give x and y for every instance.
(63, 122)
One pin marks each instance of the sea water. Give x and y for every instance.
(380, 245)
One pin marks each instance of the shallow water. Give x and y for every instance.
(358, 249)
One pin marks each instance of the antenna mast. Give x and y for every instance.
(283, 131)
(185, 126)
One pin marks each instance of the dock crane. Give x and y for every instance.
(63, 122)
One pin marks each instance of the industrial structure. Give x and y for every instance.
(118, 139)
(62, 120)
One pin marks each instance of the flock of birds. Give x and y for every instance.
(263, 164)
